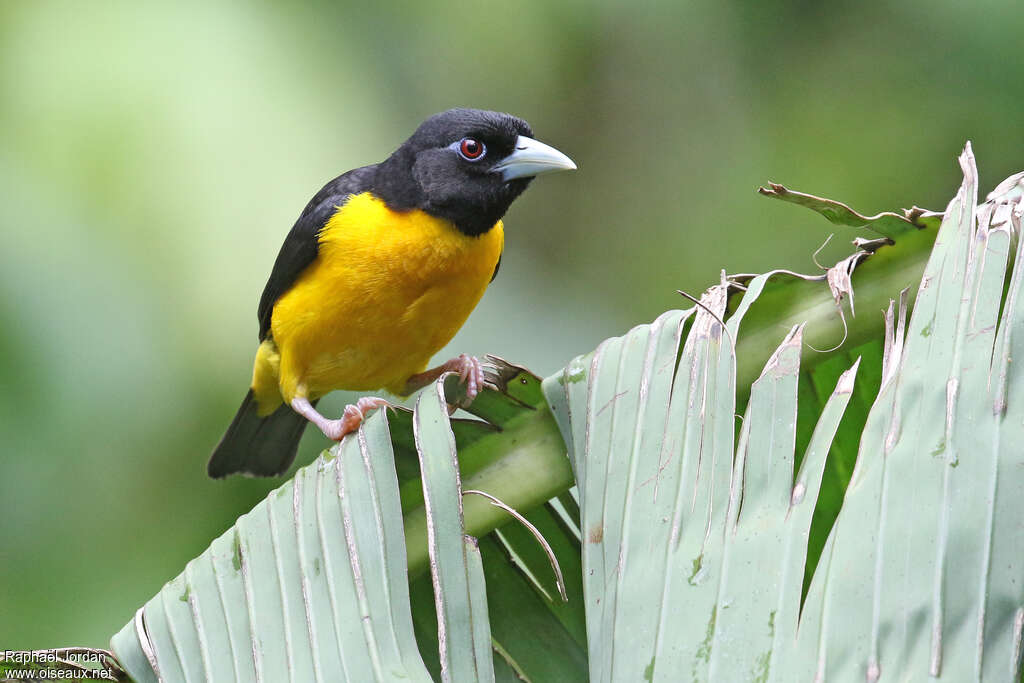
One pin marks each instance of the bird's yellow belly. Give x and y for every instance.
(386, 292)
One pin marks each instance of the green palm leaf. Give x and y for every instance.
(687, 538)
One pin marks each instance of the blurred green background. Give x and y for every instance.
(152, 157)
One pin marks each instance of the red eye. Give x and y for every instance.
(471, 149)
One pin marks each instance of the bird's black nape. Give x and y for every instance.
(428, 172)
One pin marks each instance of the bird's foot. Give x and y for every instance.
(471, 373)
(353, 416)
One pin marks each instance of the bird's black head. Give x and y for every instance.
(467, 166)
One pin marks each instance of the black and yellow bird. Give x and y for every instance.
(379, 272)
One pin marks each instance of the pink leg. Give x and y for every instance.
(471, 373)
(347, 423)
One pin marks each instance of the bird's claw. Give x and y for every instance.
(352, 417)
(471, 373)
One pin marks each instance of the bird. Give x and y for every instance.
(381, 269)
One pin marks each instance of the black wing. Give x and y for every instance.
(497, 265)
(302, 243)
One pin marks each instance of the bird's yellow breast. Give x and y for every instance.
(387, 290)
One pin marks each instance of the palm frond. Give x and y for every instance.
(689, 535)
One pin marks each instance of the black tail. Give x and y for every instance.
(258, 446)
